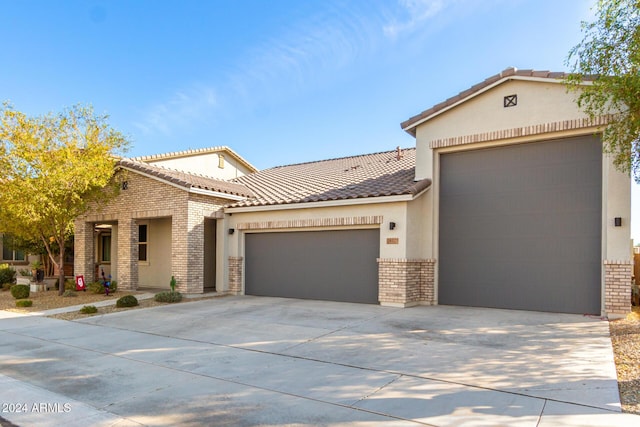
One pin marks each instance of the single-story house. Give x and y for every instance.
(506, 201)
(164, 222)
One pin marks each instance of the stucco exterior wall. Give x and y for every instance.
(538, 103)
(156, 272)
(307, 214)
(405, 277)
(205, 164)
(544, 111)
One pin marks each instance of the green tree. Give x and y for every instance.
(54, 167)
(608, 59)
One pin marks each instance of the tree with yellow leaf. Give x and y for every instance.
(52, 169)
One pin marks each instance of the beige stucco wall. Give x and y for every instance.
(156, 272)
(205, 164)
(616, 201)
(410, 218)
(538, 103)
(484, 118)
(390, 212)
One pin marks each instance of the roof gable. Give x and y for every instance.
(506, 75)
(197, 152)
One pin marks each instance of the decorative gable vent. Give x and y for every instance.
(510, 101)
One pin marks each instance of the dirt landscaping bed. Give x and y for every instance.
(50, 299)
(625, 338)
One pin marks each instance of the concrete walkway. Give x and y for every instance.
(268, 361)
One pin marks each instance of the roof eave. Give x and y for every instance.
(332, 203)
(186, 187)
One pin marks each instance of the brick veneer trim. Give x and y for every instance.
(305, 223)
(235, 275)
(543, 128)
(405, 282)
(617, 278)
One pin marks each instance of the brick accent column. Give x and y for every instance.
(179, 250)
(127, 254)
(195, 274)
(235, 275)
(83, 242)
(617, 283)
(427, 282)
(405, 282)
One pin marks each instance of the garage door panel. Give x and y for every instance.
(525, 216)
(337, 265)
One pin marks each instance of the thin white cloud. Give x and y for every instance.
(184, 107)
(414, 13)
(306, 52)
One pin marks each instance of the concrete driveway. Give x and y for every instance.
(247, 361)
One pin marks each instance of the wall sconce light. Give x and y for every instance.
(392, 225)
(617, 221)
(232, 230)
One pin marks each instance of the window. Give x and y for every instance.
(8, 251)
(142, 242)
(105, 247)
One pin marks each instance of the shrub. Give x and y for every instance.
(24, 303)
(98, 288)
(89, 309)
(168, 296)
(95, 287)
(7, 274)
(127, 301)
(20, 291)
(69, 285)
(69, 293)
(6, 286)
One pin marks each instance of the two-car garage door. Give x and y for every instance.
(520, 226)
(335, 265)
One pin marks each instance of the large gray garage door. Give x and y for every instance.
(520, 226)
(323, 265)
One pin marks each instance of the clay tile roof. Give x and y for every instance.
(507, 74)
(368, 175)
(186, 180)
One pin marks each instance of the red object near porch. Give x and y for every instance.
(80, 284)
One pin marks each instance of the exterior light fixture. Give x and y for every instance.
(392, 225)
(617, 221)
(232, 230)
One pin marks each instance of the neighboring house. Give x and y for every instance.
(10, 255)
(506, 201)
(215, 162)
(164, 222)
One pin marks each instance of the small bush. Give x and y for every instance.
(24, 303)
(168, 296)
(95, 287)
(89, 309)
(69, 285)
(20, 291)
(127, 301)
(6, 286)
(70, 293)
(98, 288)
(7, 274)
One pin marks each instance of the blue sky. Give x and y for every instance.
(279, 81)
